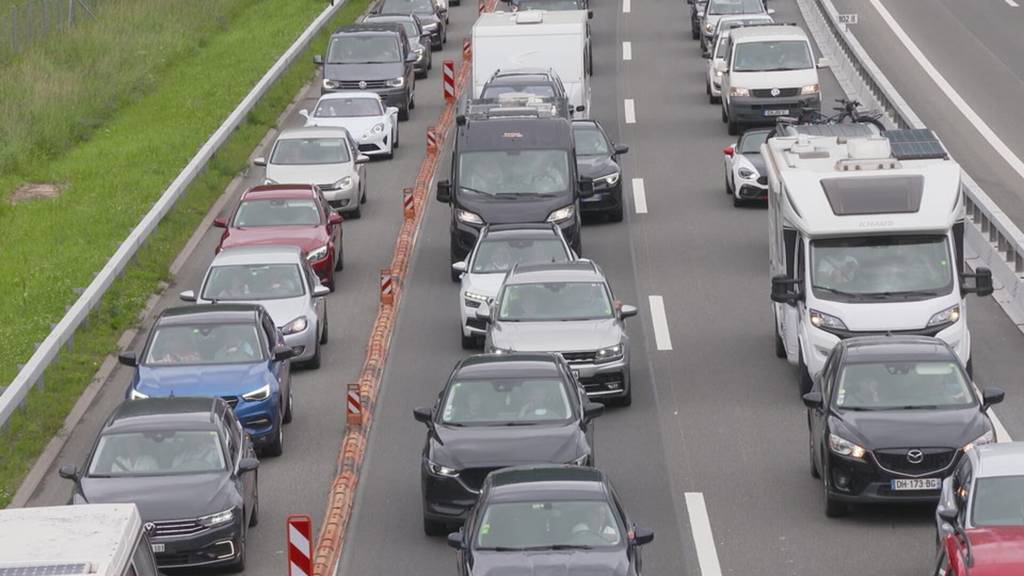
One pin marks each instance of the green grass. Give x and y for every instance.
(51, 247)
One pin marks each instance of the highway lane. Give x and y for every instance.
(298, 481)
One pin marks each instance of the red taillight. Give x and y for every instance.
(728, 151)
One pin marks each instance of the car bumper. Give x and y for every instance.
(344, 200)
(446, 499)
(753, 110)
(862, 481)
(375, 143)
(603, 200)
(211, 547)
(260, 418)
(749, 189)
(471, 325)
(304, 342)
(607, 380)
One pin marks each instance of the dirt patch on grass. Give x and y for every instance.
(34, 191)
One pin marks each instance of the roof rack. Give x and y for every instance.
(511, 105)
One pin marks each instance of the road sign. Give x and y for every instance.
(847, 18)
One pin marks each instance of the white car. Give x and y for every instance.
(363, 114)
(498, 248)
(716, 52)
(327, 158)
(745, 176)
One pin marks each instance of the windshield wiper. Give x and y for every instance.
(901, 293)
(474, 190)
(514, 424)
(559, 547)
(837, 292)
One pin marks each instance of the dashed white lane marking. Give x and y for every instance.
(627, 50)
(1013, 4)
(703, 540)
(639, 196)
(987, 133)
(630, 111)
(662, 339)
(625, 6)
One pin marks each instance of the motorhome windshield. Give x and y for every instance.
(881, 267)
(511, 173)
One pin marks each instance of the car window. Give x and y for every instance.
(157, 453)
(348, 108)
(364, 49)
(204, 344)
(539, 524)
(998, 501)
(555, 301)
(277, 212)
(309, 152)
(750, 142)
(771, 56)
(590, 141)
(903, 385)
(249, 282)
(503, 400)
(494, 256)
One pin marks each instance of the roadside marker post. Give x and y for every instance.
(387, 287)
(408, 203)
(449, 81)
(354, 413)
(467, 49)
(300, 536)
(431, 141)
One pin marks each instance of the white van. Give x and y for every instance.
(767, 72)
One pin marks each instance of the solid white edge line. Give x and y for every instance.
(987, 133)
(662, 338)
(703, 540)
(1001, 434)
(630, 111)
(625, 6)
(627, 50)
(1013, 4)
(639, 196)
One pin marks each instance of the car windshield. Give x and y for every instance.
(998, 501)
(590, 141)
(204, 344)
(348, 108)
(547, 4)
(514, 172)
(309, 151)
(750, 142)
(908, 385)
(249, 282)
(492, 91)
(364, 49)
(277, 212)
(771, 56)
(722, 7)
(158, 453)
(555, 301)
(880, 267)
(506, 401)
(406, 6)
(494, 256)
(543, 525)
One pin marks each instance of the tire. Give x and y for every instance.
(434, 528)
(357, 213)
(430, 60)
(239, 564)
(276, 448)
(725, 117)
(617, 213)
(810, 453)
(805, 381)
(470, 342)
(403, 112)
(326, 333)
(833, 507)
(728, 186)
(340, 264)
(289, 412)
(314, 362)
(577, 246)
(714, 99)
(412, 102)
(733, 129)
(694, 31)
(331, 284)
(254, 517)
(737, 202)
(362, 197)
(707, 87)
(456, 276)
(626, 401)
(780, 346)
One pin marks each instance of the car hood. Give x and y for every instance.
(551, 563)
(487, 446)
(484, 284)
(308, 173)
(912, 428)
(165, 497)
(555, 336)
(201, 380)
(755, 160)
(282, 310)
(374, 71)
(305, 237)
(513, 211)
(595, 166)
(358, 126)
(997, 550)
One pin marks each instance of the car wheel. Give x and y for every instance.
(403, 112)
(707, 87)
(314, 362)
(430, 61)
(714, 99)
(471, 342)
(412, 102)
(694, 32)
(737, 201)
(357, 213)
(340, 263)
(254, 517)
(810, 453)
(577, 246)
(398, 137)
(833, 508)
(780, 346)
(806, 382)
(330, 282)
(626, 400)
(288, 410)
(725, 117)
(456, 276)
(617, 213)
(239, 564)
(326, 333)
(434, 528)
(728, 185)
(276, 447)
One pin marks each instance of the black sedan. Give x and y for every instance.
(549, 520)
(889, 418)
(189, 467)
(597, 157)
(496, 411)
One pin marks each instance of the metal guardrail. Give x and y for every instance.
(992, 237)
(31, 374)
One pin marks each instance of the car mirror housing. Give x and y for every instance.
(459, 266)
(320, 291)
(822, 62)
(812, 399)
(627, 311)
(128, 358)
(424, 415)
(220, 222)
(362, 159)
(187, 296)
(982, 282)
(455, 540)
(991, 395)
(392, 110)
(318, 60)
(334, 219)
(949, 513)
(592, 410)
(410, 57)
(721, 67)
(259, 161)
(642, 536)
(621, 149)
(484, 313)
(304, 113)
(248, 465)
(68, 471)
(786, 290)
(444, 191)
(283, 352)
(586, 186)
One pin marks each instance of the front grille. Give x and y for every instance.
(369, 148)
(763, 180)
(476, 323)
(933, 460)
(354, 84)
(174, 558)
(603, 383)
(474, 477)
(933, 331)
(783, 93)
(579, 357)
(167, 528)
(231, 400)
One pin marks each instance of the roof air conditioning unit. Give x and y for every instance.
(871, 148)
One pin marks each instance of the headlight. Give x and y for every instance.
(844, 447)
(330, 84)
(378, 127)
(747, 174)
(608, 179)
(342, 184)
(986, 438)
(810, 89)
(581, 461)
(718, 74)
(734, 91)
(709, 27)
(267, 181)
(468, 217)
(396, 82)
(136, 395)
(420, 51)
(218, 518)
(562, 214)
(948, 316)
(261, 393)
(474, 296)
(295, 326)
(825, 321)
(609, 354)
(439, 470)
(318, 254)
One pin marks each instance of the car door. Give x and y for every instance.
(319, 303)
(633, 553)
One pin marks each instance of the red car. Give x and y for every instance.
(288, 214)
(992, 551)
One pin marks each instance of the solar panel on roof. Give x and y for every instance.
(915, 144)
(46, 570)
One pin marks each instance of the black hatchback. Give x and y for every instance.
(497, 411)
(188, 466)
(889, 417)
(549, 520)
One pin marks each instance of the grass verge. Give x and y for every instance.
(135, 148)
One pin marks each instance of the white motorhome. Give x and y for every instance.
(91, 539)
(867, 236)
(534, 39)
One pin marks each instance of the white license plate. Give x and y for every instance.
(915, 484)
(158, 548)
(776, 112)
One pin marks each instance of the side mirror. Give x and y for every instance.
(318, 60)
(393, 110)
(592, 410)
(823, 62)
(362, 159)
(982, 282)
(580, 108)
(455, 540)
(319, 291)
(188, 296)
(484, 313)
(68, 472)
(949, 513)
(220, 222)
(621, 149)
(770, 11)
(444, 191)
(128, 358)
(247, 465)
(590, 14)
(812, 399)
(410, 58)
(627, 311)
(304, 113)
(991, 395)
(334, 219)
(282, 353)
(586, 186)
(642, 536)
(721, 67)
(459, 266)
(785, 290)
(424, 415)
(259, 161)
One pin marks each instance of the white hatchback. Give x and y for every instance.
(373, 126)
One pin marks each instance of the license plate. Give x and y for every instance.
(776, 112)
(915, 484)
(158, 548)
(576, 374)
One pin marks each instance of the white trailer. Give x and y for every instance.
(534, 39)
(91, 539)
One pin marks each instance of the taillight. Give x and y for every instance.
(728, 151)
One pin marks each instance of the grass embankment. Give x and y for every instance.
(49, 247)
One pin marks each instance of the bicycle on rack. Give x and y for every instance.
(847, 112)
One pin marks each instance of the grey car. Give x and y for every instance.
(376, 57)
(567, 308)
(419, 38)
(281, 280)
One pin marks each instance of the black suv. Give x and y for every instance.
(375, 57)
